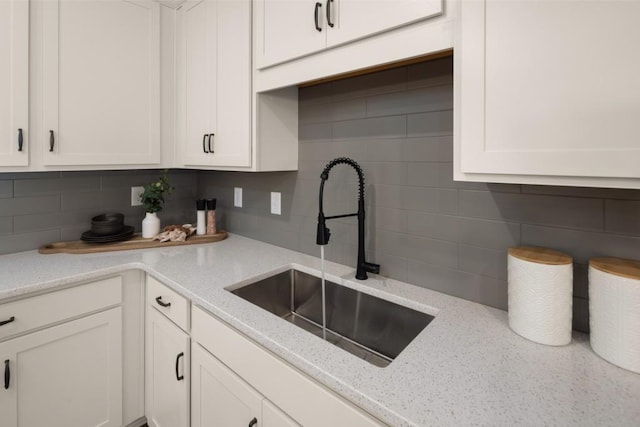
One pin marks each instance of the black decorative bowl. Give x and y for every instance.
(107, 224)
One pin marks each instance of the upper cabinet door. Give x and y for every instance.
(197, 68)
(214, 83)
(101, 82)
(355, 19)
(548, 89)
(288, 29)
(14, 82)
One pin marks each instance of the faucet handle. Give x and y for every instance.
(371, 267)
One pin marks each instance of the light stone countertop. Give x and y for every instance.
(466, 368)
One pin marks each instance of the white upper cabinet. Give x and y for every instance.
(289, 29)
(348, 20)
(101, 84)
(14, 82)
(548, 92)
(214, 83)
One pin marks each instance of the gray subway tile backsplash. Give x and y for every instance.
(622, 216)
(371, 128)
(436, 123)
(6, 189)
(54, 206)
(422, 227)
(40, 187)
(570, 212)
(6, 225)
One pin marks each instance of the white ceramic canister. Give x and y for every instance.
(614, 311)
(540, 286)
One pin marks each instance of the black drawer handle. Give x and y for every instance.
(20, 139)
(211, 135)
(162, 303)
(329, 23)
(178, 376)
(204, 143)
(52, 140)
(11, 319)
(253, 422)
(315, 15)
(7, 374)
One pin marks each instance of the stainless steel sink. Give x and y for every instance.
(369, 327)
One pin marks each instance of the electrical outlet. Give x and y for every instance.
(237, 197)
(136, 192)
(276, 203)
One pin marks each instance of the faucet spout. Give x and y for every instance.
(323, 233)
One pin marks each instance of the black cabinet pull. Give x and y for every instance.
(211, 135)
(253, 422)
(11, 319)
(315, 15)
(20, 140)
(204, 143)
(52, 140)
(329, 23)
(178, 376)
(162, 303)
(7, 374)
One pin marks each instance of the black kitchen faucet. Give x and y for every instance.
(323, 235)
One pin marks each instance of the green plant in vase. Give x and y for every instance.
(152, 199)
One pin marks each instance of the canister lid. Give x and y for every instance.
(211, 204)
(540, 255)
(200, 203)
(620, 267)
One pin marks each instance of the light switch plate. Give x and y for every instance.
(276, 202)
(135, 196)
(237, 197)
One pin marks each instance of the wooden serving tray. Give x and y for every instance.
(136, 242)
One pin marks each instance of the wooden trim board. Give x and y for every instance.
(137, 242)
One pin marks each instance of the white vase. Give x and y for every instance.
(150, 225)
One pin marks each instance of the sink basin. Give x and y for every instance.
(369, 327)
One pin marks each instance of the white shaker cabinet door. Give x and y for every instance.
(197, 71)
(219, 397)
(214, 83)
(288, 29)
(274, 417)
(68, 375)
(548, 88)
(167, 372)
(101, 82)
(355, 19)
(14, 82)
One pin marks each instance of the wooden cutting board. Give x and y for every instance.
(136, 242)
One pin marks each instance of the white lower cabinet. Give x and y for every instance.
(167, 372)
(221, 398)
(274, 417)
(67, 375)
(218, 396)
(253, 383)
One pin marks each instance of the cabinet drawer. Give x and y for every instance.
(42, 310)
(168, 302)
